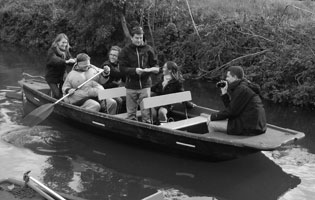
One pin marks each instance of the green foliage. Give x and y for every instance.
(272, 40)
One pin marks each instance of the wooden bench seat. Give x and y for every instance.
(162, 100)
(111, 93)
(185, 123)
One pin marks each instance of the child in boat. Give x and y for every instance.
(85, 96)
(172, 82)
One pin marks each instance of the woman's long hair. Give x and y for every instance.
(55, 45)
(175, 71)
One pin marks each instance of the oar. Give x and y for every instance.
(41, 113)
(26, 178)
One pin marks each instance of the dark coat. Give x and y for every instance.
(115, 75)
(244, 109)
(55, 66)
(132, 57)
(172, 86)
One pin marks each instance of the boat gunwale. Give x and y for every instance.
(204, 137)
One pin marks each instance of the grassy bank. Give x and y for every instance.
(272, 39)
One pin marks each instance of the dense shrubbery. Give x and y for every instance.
(276, 53)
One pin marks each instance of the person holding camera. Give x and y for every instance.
(244, 113)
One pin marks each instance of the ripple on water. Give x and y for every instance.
(299, 162)
(40, 139)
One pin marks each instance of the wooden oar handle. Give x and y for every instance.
(98, 73)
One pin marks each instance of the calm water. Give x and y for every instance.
(71, 160)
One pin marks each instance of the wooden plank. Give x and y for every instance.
(185, 123)
(112, 93)
(124, 115)
(168, 99)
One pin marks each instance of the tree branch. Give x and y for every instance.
(228, 63)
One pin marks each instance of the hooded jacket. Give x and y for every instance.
(89, 90)
(243, 109)
(132, 57)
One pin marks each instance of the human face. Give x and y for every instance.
(230, 78)
(62, 44)
(165, 70)
(113, 56)
(137, 39)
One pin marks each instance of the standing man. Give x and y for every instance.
(244, 109)
(137, 62)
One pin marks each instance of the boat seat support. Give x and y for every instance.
(185, 123)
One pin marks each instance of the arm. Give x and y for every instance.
(239, 100)
(124, 64)
(153, 66)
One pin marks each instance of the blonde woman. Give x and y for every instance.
(58, 57)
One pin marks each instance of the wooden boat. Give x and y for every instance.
(187, 135)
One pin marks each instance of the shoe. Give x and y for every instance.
(171, 119)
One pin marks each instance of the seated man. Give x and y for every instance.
(244, 109)
(85, 97)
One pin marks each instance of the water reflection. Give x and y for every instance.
(99, 162)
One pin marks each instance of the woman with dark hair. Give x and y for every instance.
(58, 57)
(171, 82)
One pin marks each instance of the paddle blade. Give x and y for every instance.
(38, 115)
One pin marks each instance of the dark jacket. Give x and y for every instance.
(244, 109)
(132, 57)
(55, 66)
(172, 86)
(115, 75)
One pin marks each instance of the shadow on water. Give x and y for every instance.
(130, 171)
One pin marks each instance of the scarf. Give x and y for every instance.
(166, 79)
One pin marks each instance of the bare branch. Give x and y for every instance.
(228, 63)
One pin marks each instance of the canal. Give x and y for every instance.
(69, 159)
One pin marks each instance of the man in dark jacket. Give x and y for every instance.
(137, 62)
(244, 109)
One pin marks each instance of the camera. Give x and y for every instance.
(220, 84)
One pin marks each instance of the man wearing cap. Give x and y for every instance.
(244, 109)
(137, 62)
(86, 96)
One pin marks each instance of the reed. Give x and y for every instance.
(289, 11)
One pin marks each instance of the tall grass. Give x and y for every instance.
(292, 12)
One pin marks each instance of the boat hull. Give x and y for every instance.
(178, 141)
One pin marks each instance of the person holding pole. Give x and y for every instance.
(85, 97)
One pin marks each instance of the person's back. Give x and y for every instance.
(244, 109)
(251, 119)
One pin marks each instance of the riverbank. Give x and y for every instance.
(273, 39)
